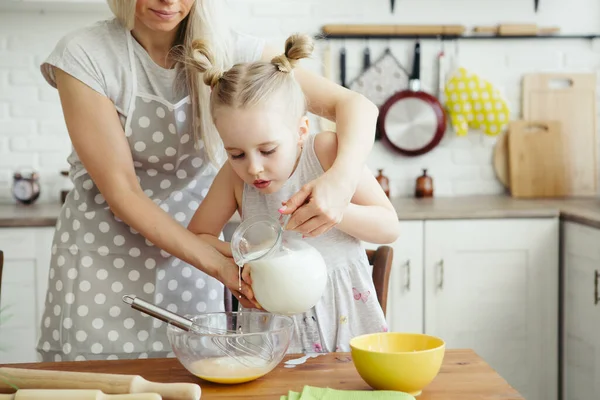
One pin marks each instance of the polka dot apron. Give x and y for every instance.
(97, 258)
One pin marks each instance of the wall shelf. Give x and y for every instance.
(455, 37)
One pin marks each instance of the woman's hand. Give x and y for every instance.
(320, 204)
(229, 275)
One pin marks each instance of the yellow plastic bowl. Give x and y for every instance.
(405, 362)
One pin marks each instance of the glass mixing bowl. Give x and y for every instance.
(232, 347)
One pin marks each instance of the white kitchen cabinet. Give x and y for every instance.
(492, 286)
(27, 254)
(405, 293)
(581, 333)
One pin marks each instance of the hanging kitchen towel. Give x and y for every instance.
(315, 393)
(383, 78)
(473, 102)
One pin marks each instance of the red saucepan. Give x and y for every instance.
(413, 122)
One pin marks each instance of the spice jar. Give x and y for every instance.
(424, 185)
(384, 182)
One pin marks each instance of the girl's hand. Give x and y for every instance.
(320, 204)
(246, 274)
(247, 278)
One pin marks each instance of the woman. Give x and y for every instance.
(145, 152)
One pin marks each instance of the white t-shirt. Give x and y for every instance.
(97, 56)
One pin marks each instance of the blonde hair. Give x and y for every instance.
(249, 84)
(204, 22)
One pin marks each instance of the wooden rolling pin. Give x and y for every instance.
(46, 394)
(366, 30)
(517, 29)
(106, 383)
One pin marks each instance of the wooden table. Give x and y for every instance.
(464, 376)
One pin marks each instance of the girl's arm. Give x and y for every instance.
(355, 117)
(370, 216)
(98, 138)
(216, 209)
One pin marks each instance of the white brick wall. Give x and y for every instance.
(32, 132)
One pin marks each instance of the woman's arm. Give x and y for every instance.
(100, 143)
(216, 209)
(356, 117)
(370, 216)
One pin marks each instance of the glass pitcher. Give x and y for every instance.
(288, 275)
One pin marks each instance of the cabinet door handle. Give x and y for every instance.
(596, 278)
(407, 278)
(441, 282)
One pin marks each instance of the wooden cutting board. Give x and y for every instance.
(501, 160)
(571, 100)
(536, 159)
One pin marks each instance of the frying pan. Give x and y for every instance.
(412, 121)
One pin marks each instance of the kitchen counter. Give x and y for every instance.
(585, 211)
(13, 215)
(463, 376)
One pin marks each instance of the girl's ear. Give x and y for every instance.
(303, 129)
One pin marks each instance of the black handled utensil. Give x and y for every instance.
(343, 67)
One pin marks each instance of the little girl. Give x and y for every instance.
(260, 112)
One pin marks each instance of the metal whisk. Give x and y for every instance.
(229, 341)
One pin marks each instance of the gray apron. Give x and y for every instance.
(96, 258)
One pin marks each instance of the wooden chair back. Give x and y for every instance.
(1, 266)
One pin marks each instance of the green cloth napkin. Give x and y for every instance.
(315, 393)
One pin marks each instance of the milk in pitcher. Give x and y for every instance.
(289, 281)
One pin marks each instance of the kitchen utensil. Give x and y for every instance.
(412, 121)
(500, 162)
(366, 58)
(106, 383)
(569, 98)
(206, 358)
(390, 30)
(536, 4)
(66, 394)
(288, 275)
(442, 68)
(537, 164)
(424, 186)
(406, 362)
(392, 4)
(324, 123)
(343, 66)
(382, 79)
(516, 29)
(228, 341)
